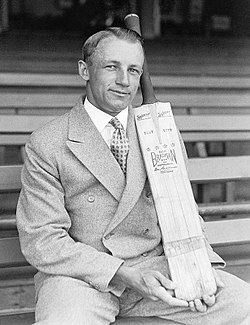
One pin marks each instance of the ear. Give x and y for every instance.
(83, 70)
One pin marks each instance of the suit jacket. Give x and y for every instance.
(77, 214)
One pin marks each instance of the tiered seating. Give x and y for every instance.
(45, 93)
(230, 237)
(200, 96)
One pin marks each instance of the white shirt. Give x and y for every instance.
(101, 120)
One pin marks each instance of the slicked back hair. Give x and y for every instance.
(92, 42)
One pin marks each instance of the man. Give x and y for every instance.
(89, 225)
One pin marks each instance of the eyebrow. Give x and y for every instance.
(117, 62)
(111, 61)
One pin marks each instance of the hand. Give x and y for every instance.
(150, 284)
(201, 305)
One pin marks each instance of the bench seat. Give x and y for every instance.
(229, 237)
(25, 101)
(179, 81)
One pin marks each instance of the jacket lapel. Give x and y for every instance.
(86, 143)
(136, 176)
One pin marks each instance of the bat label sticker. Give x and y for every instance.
(164, 114)
(164, 160)
(143, 116)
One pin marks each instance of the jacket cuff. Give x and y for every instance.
(215, 259)
(102, 283)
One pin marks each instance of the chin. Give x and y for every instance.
(118, 106)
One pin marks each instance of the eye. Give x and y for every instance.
(110, 67)
(134, 71)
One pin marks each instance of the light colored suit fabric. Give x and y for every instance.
(68, 301)
(77, 215)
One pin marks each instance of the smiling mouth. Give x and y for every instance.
(119, 92)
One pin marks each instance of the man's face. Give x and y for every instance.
(114, 74)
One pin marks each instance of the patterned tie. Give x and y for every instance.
(119, 143)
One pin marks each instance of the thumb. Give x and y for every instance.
(218, 281)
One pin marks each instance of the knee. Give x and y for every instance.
(243, 301)
(236, 296)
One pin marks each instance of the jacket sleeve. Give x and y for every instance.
(43, 224)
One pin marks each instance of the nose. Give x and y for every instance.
(122, 78)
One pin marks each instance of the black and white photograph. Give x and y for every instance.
(124, 162)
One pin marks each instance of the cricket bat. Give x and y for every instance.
(182, 236)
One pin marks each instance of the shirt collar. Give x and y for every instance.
(101, 119)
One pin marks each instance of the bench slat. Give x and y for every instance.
(213, 136)
(8, 222)
(13, 139)
(22, 123)
(201, 170)
(20, 139)
(213, 123)
(167, 64)
(41, 79)
(237, 208)
(217, 169)
(13, 128)
(10, 253)
(10, 178)
(186, 123)
(223, 232)
(184, 99)
(169, 81)
(220, 233)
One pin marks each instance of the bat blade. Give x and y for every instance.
(182, 236)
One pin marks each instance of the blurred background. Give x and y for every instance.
(159, 17)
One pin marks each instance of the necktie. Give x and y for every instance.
(119, 143)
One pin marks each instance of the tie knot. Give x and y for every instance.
(116, 123)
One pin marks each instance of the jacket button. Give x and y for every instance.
(144, 254)
(108, 236)
(149, 195)
(145, 231)
(91, 198)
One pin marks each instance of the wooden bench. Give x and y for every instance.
(229, 237)
(53, 93)
(168, 81)
(15, 130)
(45, 102)
(201, 74)
(171, 56)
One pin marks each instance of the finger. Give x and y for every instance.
(165, 282)
(209, 300)
(153, 298)
(218, 281)
(202, 308)
(177, 302)
(162, 294)
(192, 306)
(151, 280)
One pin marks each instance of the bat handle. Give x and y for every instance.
(132, 21)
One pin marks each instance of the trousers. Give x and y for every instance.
(68, 301)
